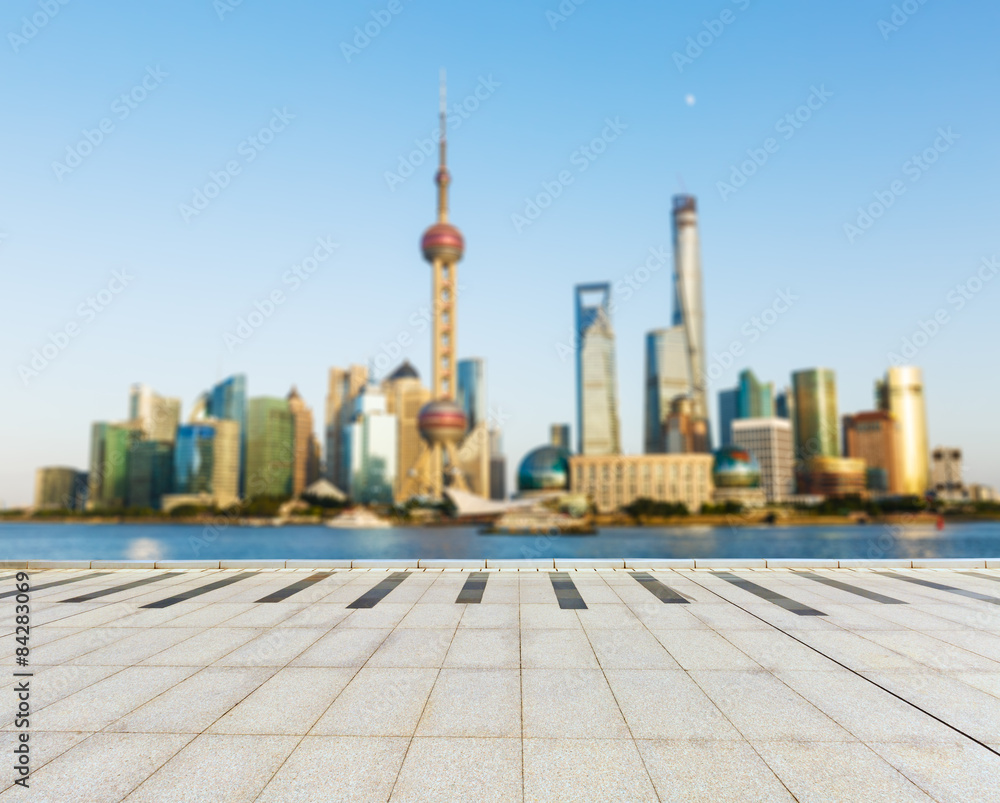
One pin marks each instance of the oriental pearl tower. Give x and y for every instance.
(442, 421)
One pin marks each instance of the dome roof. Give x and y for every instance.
(544, 469)
(443, 240)
(735, 468)
(405, 371)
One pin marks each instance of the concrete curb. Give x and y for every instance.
(562, 564)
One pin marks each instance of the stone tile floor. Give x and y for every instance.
(887, 691)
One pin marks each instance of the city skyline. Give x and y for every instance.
(179, 292)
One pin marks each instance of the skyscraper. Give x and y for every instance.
(342, 391)
(206, 461)
(675, 357)
(270, 448)
(370, 450)
(150, 473)
(946, 472)
(60, 488)
(816, 423)
(873, 436)
(405, 396)
(228, 401)
(559, 436)
(729, 411)
(668, 375)
(756, 398)
(304, 467)
(596, 377)
(902, 394)
(472, 390)
(157, 416)
(108, 475)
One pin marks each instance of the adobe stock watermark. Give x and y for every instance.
(957, 299)
(458, 113)
(621, 292)
(32, 26)
(122, 108)
(293, 278)
(788, 126)
(419, 321)
(86, 313)
(582, 158)
(224, 7)
(249, 149)
(752, 330)
(711, 31)
(565, 10)
(365, 34)
(914, 169)
(901, 14)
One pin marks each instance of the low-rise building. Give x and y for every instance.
(770, 441)
(616, 481)
(833, 476)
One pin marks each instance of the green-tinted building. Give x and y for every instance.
(108, 477)
(816, 420)
(270, 448)
(150, 473)
(755, 398)
(60, 488)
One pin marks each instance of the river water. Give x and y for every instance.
(74, 541)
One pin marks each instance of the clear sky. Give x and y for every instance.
(201, 79)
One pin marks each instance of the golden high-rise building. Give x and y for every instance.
(303, 440)
(901, 393)
(342, 391)
(405, 396)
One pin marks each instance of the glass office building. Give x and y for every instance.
(108, 475)
(816, 421)
(270, 450)
(596, 380)
(228, 400)
(472, 390)
(194, 459)
(150, 474)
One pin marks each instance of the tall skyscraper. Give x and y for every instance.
(902, 394)
(729, 411)
(370, 451)
(206, 461)
(442, 421)
(108, 476)
(472, 390)
(498, 466)
(668, 375)
(597, 424)
(270, 448)
(342, 392)
(405, 396)
(756, 398)
(150, 473)
(228, 401)
(770, 441)
(873, 436)
(156, 416)
(675, 357)
(816, 422)
(304, 460)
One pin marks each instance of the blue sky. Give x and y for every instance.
(341, 118)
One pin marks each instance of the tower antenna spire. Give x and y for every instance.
(443, 178)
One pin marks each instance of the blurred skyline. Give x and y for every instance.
(901, 109)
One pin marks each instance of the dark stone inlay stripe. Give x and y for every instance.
(566, 592)
(475, 585)
(373, 597)
(662, 592)
(994, 578)
(295, 588)
(56, 583)
(774, 597)
(943, 587)
(861, 592)
(195, 592)
(114, 589)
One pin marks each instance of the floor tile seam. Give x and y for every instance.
(861, 674)
(871, 745)
(78, 656)
(858, 607)
(36, 767)
(925, 593)
(929, 634)
(416, 726)
(170, 758)
(143, 632)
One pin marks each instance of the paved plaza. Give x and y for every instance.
(390, 684)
